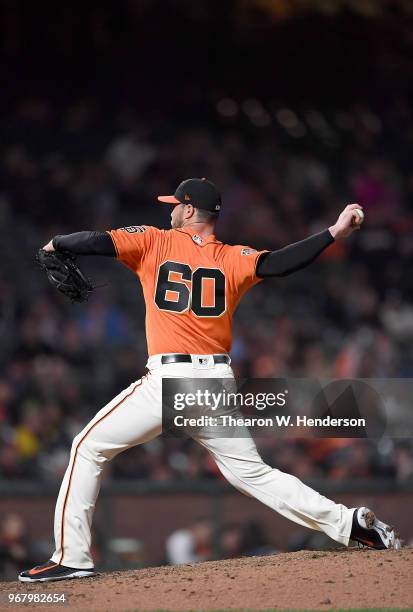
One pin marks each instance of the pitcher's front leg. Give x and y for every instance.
(131, 418)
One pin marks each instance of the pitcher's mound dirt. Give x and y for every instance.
(324, 580)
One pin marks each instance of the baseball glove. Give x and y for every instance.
(64, 274)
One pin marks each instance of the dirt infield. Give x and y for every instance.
(344, 578)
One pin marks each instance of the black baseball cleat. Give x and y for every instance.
(53, 571)
(369, 531)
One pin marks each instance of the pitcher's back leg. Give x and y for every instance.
(241, 464)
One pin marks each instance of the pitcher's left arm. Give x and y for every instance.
(83, 243)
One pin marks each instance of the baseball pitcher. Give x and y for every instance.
(192, 284)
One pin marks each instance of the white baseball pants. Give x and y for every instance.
(134, 417)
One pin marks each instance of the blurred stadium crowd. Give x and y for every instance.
(195, 542)
(348, 315)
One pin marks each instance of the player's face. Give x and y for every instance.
(177, 216)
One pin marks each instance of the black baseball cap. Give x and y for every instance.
(201, 193)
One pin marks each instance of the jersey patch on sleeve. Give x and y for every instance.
(248, 251)
(134, 229)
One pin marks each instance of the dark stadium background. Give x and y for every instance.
(294, 109)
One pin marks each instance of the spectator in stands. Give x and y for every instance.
(191, 544)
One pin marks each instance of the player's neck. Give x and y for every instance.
(202, 229)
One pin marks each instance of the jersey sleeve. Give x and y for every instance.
(243, 262)
(133, 244)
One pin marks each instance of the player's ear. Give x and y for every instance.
(189, 211)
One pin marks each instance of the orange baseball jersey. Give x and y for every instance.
(191, 286)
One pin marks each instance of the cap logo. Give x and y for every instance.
(218, 207)
(187, 197)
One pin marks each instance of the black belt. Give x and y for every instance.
(188, 359)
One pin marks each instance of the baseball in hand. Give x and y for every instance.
(358, 217)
